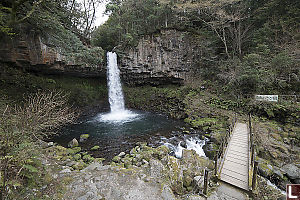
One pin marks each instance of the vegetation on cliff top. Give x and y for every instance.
(65, 25)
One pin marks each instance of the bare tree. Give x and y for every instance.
(229, 22)
(89, 8)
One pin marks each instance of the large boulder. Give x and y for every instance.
(175, 175)
(167, 193)
(292, 171)
(156, 169)
(84, 137)
(191, 160)
(73, 143)
(264, 168)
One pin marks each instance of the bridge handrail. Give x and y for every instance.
(219, 156)
(253, 163)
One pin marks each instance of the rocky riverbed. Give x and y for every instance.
(144, 173)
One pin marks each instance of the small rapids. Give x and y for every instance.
(189, 142)
(275, 187)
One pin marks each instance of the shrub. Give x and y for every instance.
(20, 128)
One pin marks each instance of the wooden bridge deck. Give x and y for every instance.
(235, 168)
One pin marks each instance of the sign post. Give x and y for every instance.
(273, 98)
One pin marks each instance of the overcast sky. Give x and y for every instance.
(100, 18)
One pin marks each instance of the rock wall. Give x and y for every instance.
(168, 57)
(28, 51)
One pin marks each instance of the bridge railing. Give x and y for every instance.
(252, 156)
(219, 156)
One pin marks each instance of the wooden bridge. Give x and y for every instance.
(235, 161)
(235, 169)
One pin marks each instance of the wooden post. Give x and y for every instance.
(252, 154)
(205, 181)
(254, 175)
(221, 148)
(216, 163)
(250, 124)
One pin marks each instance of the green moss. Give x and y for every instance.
(79, 165)
(99, 160)
(116, 159)
(76, 149)
(77, 156)
(162, 151)
(94, 148)
(189, 189)
(88, 158)
(175, 176)
(203, 122)
(60, 151)
(84, 136)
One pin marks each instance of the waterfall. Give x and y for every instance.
(118, 113)
(115, 92)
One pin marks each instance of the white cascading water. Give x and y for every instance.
(115, 92)
(118, 113)
(191, 143)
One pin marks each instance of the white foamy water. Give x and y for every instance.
(191, 143)
(115, 92)
(121, 116)
(274, 186)
(118, 113)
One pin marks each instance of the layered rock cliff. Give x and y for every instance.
(29, 51)
(170, 57)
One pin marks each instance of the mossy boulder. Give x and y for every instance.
(79, 165)
(264, 168)
(84, 137)
(292, 171)
(187, 178)
(77, 156)
(94, 148)
(162, 151)
(60, 151)
(147, 155)
(127, 162)
(76, 149)
(73, 143)
(99, 160)
(191, 160)
(166, 192)
(175, 175)
(116, 159)
(156, 169)
(204, 123)
(88, 158)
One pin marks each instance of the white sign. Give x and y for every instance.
(266, 98)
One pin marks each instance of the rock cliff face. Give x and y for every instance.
(31, 53)
(168, 57)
